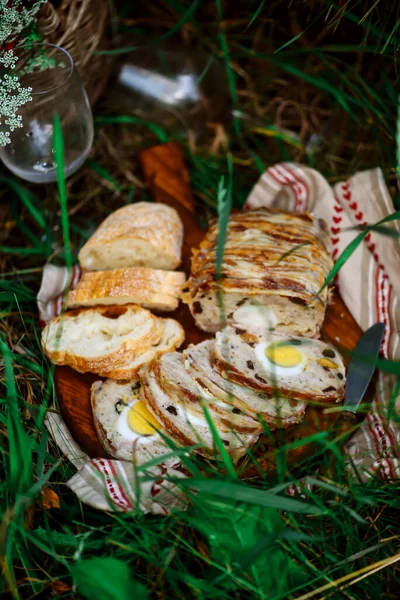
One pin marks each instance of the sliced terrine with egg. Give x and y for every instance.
(273, 411)
(273, 267)
(187, 421)
(280, 365)
(127, 430)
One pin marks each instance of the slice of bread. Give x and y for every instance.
(317, 375)
(275, 412)
(178, 384)
(184, 426)
(151, 288)
(95, 339)
(172, 337)
(111, 402)
(144, 234)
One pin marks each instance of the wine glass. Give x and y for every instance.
(56, 90)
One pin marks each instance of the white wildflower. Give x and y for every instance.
(14, 19)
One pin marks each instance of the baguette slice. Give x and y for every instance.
(178, 384)
(186, 428)
(172, 337)
(276, 412)
(93, 340)
(144, 234)
(111, 402)
(151, 288)
(318, 377)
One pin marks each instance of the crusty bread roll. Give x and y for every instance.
(151, 288)
(172, 337)
(93, 340)
(144, 234)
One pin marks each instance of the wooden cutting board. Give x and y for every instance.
(168, 180)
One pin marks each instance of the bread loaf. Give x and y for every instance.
(273, 267)
(144, 234)
(151, 288)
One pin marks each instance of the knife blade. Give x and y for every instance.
(362, 366)
(359, 374)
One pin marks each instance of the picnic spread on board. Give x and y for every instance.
(160, 333)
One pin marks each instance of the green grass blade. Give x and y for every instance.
(224, 207)
(398, 144)
(103, 173)
(128, 120)
(245, 493)
(186, 18)
(230, 468)
(62, 187)
(27, 200)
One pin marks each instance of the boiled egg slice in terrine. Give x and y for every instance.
(283, 359)
(136, 421)
(126, 428)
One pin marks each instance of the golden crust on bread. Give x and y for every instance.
(151, 288)
(141, 234)
(95, 339)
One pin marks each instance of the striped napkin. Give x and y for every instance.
(370, 287)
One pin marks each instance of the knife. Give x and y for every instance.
(362, 366)
(359, 375)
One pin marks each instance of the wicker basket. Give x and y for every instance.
(79, 26)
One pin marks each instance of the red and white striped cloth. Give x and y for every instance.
(369, 285)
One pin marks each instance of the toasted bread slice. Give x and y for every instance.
(142, 297)
(186, 428)
(144, 234)
(95, 339)
(310, 370)
(111, 402)
(172, 337)
(275, 412)
(178, 384)
(151, 288)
